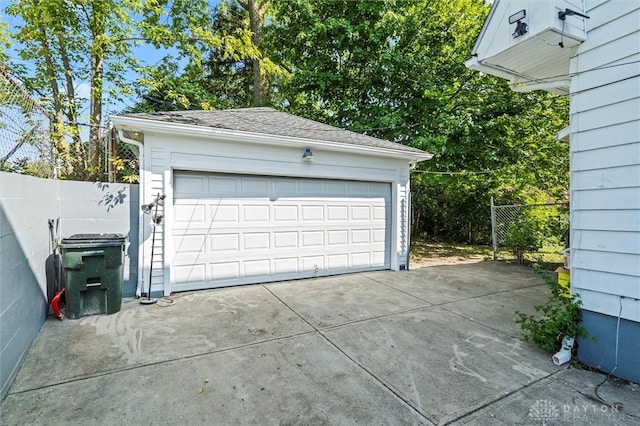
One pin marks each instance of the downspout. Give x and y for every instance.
(564, 354)
(140, 146)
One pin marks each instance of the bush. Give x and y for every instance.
(561, 316)
(523, 236)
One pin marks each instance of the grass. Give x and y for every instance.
(424, 252)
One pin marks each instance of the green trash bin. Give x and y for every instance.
(92, 273)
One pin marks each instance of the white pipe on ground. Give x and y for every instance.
(564, 355)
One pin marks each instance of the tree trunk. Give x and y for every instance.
(96, 25)
(95, 118)
(58, 125)
(72, 112)
(257, 12)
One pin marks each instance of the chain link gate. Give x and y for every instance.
(503, 217)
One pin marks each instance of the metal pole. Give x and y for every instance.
(153, 243)
(493, 229)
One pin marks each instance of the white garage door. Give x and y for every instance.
(237, 229)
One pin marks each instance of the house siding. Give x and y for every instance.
(605, 186)
(156, 184)
(605, 169)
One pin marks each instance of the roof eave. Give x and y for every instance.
(164, 127)
(520, 82)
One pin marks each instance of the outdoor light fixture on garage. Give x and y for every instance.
(308, 155)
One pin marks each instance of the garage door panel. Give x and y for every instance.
(338, 237)
(256, 240)
(312, 263)
(285, 239)
(379, 235)
(361, 213)
(225, 270)
(338, 261)
(255, 186)
(312, 213)
(337, 213)
(360, 236)
(285, 213)
(224, 242)
(360, 259)
(285, 187)
(191, 243)
(243, 229)
(379, 213)
(312, 239)
(285, 265)
(258, 267)
(190, 273)
(191, 184)
(335, 188)
(224, 213)
(378, 258)
(222, 185)
(310, 186)
(190, 213)
(362, 189)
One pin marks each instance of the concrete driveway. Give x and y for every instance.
(435, 345)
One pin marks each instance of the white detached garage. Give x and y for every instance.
(257, 195)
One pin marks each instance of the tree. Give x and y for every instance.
(237, 72)
(396, 70)
(89, 42)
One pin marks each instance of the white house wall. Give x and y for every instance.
(540, 15)
(165, 153)
(605, 161)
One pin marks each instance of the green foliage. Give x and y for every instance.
(524, 235)
(221, 78)
(560, 317)
(395, 70)
(64, 46)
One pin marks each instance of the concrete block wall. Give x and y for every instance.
(26, 204)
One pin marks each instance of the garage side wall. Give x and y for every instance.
(165, 154)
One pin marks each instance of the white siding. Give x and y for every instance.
(155, 186)
(605, 161)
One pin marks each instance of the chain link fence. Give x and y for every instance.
(26, 146)
(122, 160)
(25, 143)
(552, 220)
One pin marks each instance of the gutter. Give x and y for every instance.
(123, 138)
(167, 127)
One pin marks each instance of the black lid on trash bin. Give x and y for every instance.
(94, 239)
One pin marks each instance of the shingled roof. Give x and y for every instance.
(272, 122)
